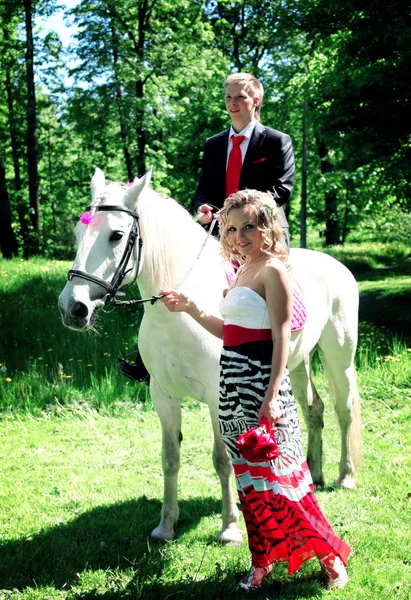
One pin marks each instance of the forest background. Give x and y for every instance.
(142, 85)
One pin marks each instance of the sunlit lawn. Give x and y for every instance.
(80, 467)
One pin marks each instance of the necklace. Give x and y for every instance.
(246, 269)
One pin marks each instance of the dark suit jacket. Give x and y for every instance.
(268, 166)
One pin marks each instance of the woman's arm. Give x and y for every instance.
(176, 302)
(278, 295)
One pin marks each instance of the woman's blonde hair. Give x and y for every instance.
(252, 85)
(269, 222)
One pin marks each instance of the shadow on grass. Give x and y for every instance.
(107, 537)
(368, 265)
(390, 311)
(115, 538)
(387, 305)
(218, 588)
(367, 273)
(49, 363)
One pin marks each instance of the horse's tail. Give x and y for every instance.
(355, 429)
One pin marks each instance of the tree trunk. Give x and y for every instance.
(31, 133)
(21, 209)
(344, 228)
(8, 242)
(51, 180)
(124, 135)
(144, 11)
(19, 202)
(303, 212)
(332, 230)
(119, 99)
(140, 132)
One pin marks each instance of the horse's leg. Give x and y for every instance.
(338, 366)
(169, 412)
(313, 412)
(230, 532)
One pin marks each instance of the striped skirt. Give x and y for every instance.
(282, 516)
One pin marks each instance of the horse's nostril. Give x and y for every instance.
(79, 310)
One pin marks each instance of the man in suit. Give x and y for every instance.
(267, 159)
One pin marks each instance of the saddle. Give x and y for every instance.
(299, 315)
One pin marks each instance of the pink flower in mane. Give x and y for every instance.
(87, 217)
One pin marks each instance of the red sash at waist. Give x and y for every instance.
(233, 335)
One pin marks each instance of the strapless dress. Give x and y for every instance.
(283, 519)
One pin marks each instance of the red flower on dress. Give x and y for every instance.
(258, 444)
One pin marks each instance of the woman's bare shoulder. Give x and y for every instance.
(274, 266)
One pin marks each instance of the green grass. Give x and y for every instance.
(80, 469)
(368, 260)
(81, 492)
(42, 362)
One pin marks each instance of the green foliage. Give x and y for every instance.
(359, 102)
(146, 89)
(373, 260)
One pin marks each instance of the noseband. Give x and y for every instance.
(117, 279)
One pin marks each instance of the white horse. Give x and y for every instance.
(181, 357)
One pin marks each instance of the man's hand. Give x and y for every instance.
(207, 211)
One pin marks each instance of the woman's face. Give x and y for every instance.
(243, 232)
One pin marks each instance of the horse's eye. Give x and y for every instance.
(116, 236)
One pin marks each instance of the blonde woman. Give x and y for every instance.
(283, 519)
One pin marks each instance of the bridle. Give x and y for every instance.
(113, 286)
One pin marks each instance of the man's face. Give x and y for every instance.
(240, 105)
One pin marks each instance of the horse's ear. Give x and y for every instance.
(97, 183)
(139, 185)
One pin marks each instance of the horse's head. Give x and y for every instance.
(109, 250)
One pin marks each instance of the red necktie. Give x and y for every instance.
(234, 166)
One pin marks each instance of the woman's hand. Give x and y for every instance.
(174, 301)
(271, 411)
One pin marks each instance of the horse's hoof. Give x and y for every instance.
(230, 537)
(346, 483)
(160, 535)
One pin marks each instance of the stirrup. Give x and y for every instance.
(135, 371)
(251, 582)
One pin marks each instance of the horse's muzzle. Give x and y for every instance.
(77, 315)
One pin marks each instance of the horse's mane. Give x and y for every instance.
(167, 230)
